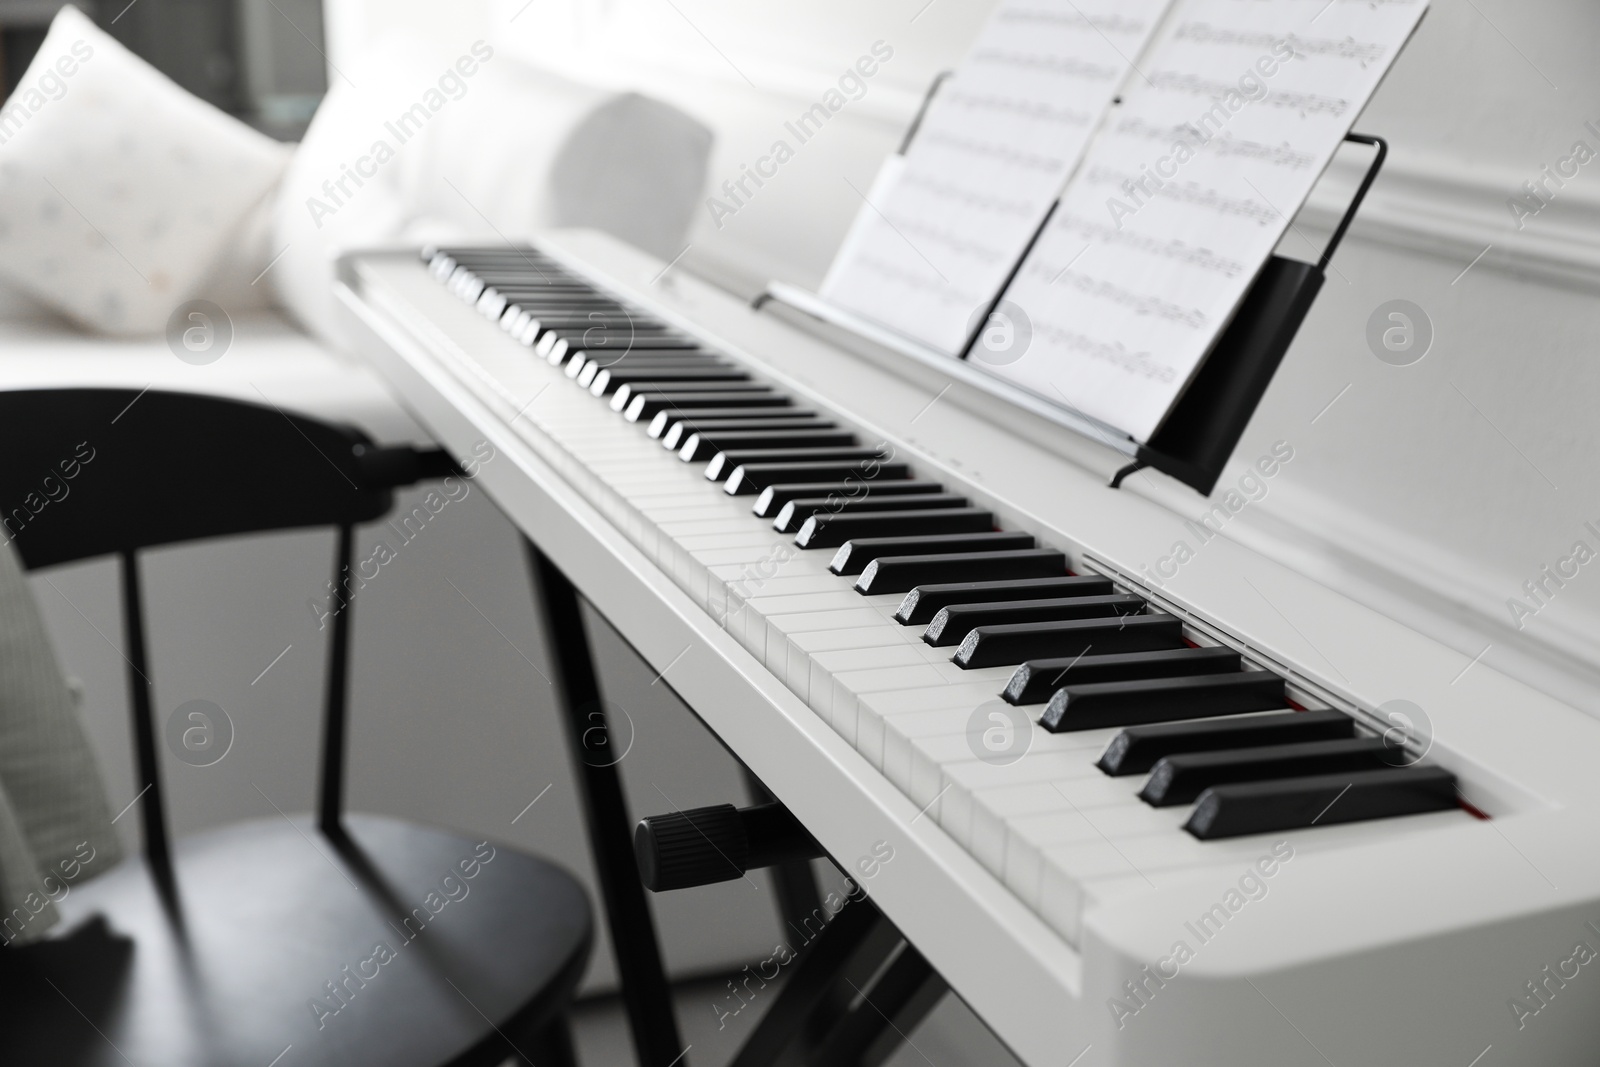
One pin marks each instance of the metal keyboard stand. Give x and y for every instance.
(646, 994)
(856, 991)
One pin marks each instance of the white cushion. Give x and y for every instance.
(120, 193)
(442, 144)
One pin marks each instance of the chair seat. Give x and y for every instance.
(400, 945)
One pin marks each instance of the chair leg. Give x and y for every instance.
(550, 1047)
(645, 991)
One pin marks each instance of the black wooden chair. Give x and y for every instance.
(293, 940)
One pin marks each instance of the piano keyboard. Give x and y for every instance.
(1071, 736)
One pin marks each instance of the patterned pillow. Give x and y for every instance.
(118, 189)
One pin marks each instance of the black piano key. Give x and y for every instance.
(1180, 779)
(896, 574)
(1138, 748)
(954, 622)
(582, 369)
(774, 498)
(661, 369)
(703, 444)
(831, 530)
(538, 308)
(1095, 705)
(556, 317)
(1321, 800)
(724, 463)
(646, 400)
(556, 344)
(996, 646)
(577, 359)
(794, 514)
(853, 557)
(1037, 680)
(924, 602)
(672, 429)
(620, 338)
(748, 479)
(611, 377)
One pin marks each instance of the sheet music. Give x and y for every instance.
(1239, 107)
(929, 252)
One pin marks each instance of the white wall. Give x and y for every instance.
(1433, 490)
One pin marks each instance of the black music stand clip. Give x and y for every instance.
(1198, 436)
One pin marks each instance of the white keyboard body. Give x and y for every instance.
(1064, 911)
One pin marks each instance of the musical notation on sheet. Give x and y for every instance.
(1235, 112)
(943, 228)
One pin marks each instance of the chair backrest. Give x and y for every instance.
(95, 472)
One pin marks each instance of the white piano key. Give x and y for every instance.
(847, 686)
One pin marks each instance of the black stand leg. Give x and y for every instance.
(901, 998)
(850, 949)
(645, 992)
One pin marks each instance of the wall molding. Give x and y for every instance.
(1453, 209)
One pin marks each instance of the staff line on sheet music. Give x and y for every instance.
(1514, 48)
(1504, 438)
(1070, 262)
(501, 632)
(1290, 1021)
(1090, 23)
(712, 44)
(1292, 226)
(679, 811)
(896, 229)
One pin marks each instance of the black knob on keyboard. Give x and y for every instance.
(689, 848)
(716, 844)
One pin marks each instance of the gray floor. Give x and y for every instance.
(949, 1037)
